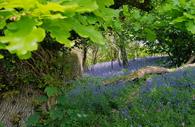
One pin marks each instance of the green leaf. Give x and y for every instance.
(33, 119)
(25, 56)
(56, 114)
(147, 19)
(117, 25)
(82, 19)
(27, 4)
(126, 10)
(189, 16)
(22, 40)
(2, 46)
(137, 26)
(86, 6)
(178, 20)
(62, 100)
(90, 32)
(150, 35)
(5, 14)
(51, 6)
(47, 10)
(2, 24)
(166, 7)
(190, 26)
(18, 29)
(105, 3)
(61, 34)
(107, 14)
(51, 91)
(182, 3)
(92, 19)
(86, 31)
(136, 14)
(23, 44)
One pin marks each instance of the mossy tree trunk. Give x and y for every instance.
(48, 66)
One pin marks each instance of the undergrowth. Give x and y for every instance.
(162, 107)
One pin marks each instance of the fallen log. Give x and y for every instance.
(138, 74)
(149, 70)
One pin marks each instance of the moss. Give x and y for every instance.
(45, 68)
(9, 94)
(15, 118)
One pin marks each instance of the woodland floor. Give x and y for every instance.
(180, 78)
(153, 100)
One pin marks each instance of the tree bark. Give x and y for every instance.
(95, 53)
(84, 63)
(191, 60)
(124, 55)
(122, 48)
(14, 111)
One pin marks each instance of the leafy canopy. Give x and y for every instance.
(169, 27)
(25, 23)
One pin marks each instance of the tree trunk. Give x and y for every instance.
(124, 55)
(191, 60)
(84, 64)
(95, 53)
(122, 49)
(14, 111)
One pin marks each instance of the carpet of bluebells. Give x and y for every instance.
(162, 100)
(166, 100)
(110, 69)
(181, 78)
